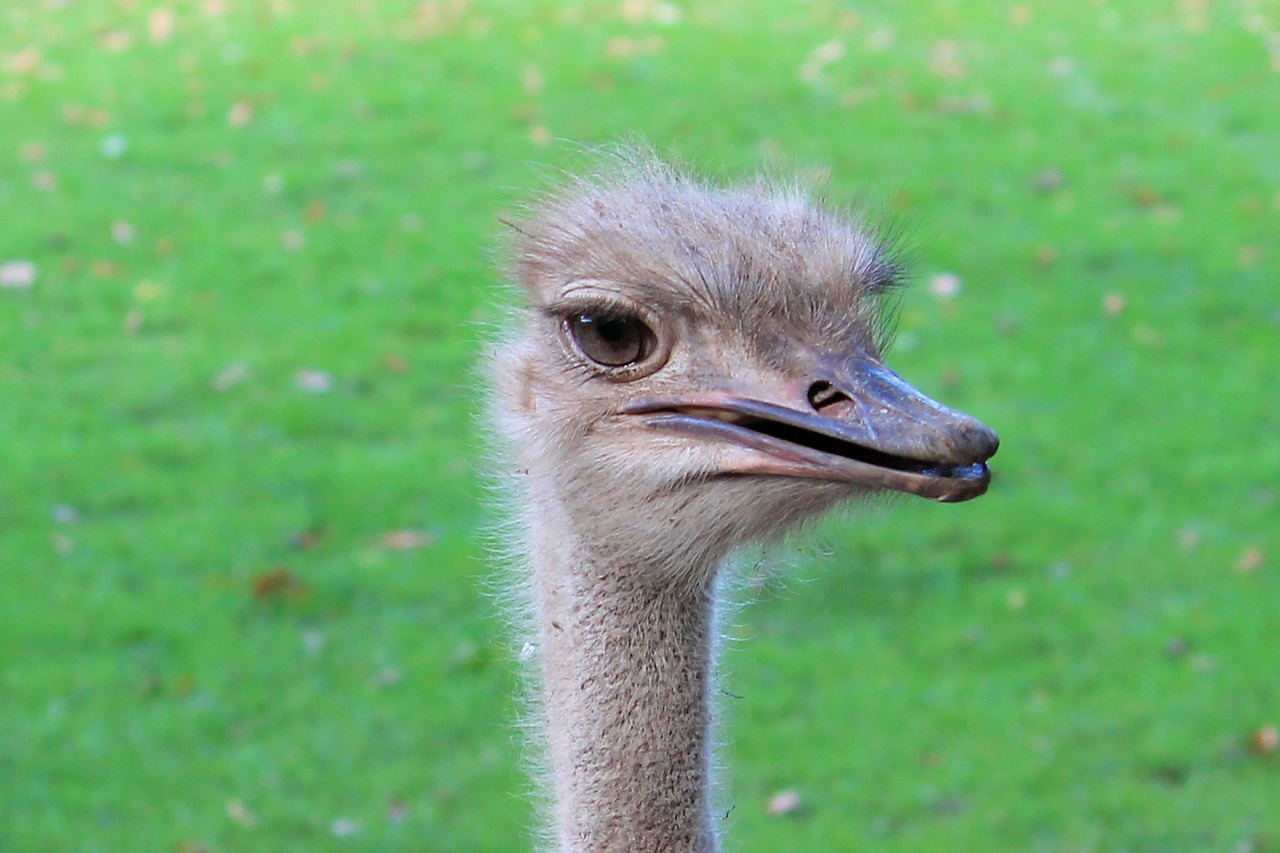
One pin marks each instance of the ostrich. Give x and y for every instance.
(697, 368)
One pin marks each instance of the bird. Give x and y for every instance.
(694, 366)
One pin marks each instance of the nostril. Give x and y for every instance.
(822, 394)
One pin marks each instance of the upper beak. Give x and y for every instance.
(860, 424)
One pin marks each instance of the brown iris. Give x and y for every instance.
(611, 340)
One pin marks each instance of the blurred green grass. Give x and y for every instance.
(249, 259)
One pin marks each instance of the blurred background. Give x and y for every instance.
(249, 260)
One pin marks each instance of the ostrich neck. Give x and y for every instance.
(626, 672)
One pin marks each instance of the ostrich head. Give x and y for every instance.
(699, 367)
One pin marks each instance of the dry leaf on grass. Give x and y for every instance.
(232, 374)
(344, 827)
(784, 803)
(397, 811)
(160, 25)
(946, 285)
(406, 540)
(277, 584)
(1250, 561)
(240, 814)
(17, 275)
(1265, 740)
(314, 381)
(309, 536)
(240, 114)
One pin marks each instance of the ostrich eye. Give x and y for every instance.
(611, 340)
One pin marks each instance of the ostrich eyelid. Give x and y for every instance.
(654, 347)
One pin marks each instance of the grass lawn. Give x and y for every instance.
(247, 263)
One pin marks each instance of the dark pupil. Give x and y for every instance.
(611, 341)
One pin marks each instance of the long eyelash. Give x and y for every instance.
(602, 312)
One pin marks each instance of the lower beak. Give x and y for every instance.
(865, 426)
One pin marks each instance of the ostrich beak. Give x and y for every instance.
(862, 424)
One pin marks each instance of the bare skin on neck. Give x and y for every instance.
(627, 670)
